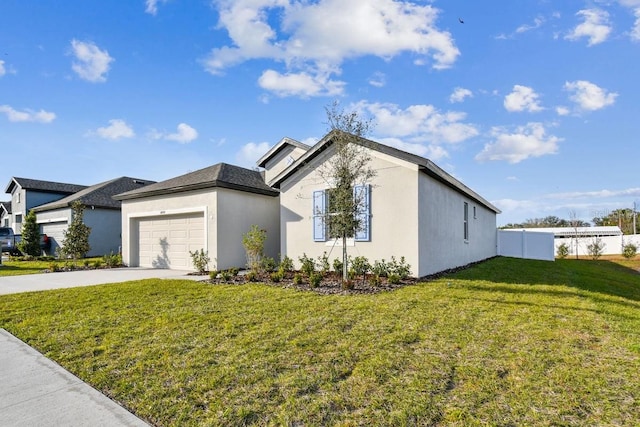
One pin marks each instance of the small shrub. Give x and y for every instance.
(54, 267)
(112, 260)
(69, 266)
(213, 274)
(360, 265)
(253, 243)
(563, 251)
(286, 264)
(226, 275)
(394, 278)
(374, 281)
(380, 268)
(596, 248)
(251, 276)
(629, 250)
(297, 279)
(308, 265)
(337, 265)
(323, 263)
(276, 277)
(86, 262)
(399, 268)
(234, 271)
(97, 264)
(200, 260)
(268, 264)
(315, 279)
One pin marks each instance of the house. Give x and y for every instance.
(5, 214)
(29, 193)
(209, 209)
(102, 215)
(412, 208)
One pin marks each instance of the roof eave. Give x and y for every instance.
(192, 187)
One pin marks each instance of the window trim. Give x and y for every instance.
(320, 199)
(466, 222)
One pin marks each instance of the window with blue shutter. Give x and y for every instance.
(319, 210)
(362, 195)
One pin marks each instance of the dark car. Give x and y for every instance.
(7, 239)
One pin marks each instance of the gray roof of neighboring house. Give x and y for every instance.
(43, 186)
(262, 161)
(99, 195)
(6, 206)
(221, 175)
(425, 165)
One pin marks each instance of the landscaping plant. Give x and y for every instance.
(200, 260)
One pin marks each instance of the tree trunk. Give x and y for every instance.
(345, 267)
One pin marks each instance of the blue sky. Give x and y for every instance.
(533, 104)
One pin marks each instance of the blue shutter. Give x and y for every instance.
(362, 193)
(319, 210)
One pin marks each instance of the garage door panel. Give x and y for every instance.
(165, 242)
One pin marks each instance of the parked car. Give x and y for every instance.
(10, 241)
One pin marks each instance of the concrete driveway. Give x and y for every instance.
(71, 279)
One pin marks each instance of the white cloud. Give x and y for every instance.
(420, 123)
(27, 115)
(313, 39)
(3, 70)
(117, 129)
(589, 96)
(527, 141)
(152, 6)
(378, 79)
(635, 31)
(92, 63)
(598, 194)
(562, 110)
(251, 152)
(299, 84)
(537, 23)
(595, 27)
(459, 94)
(522, 98)
(183, 135)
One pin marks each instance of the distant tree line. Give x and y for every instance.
(549, 221)
(623, 218)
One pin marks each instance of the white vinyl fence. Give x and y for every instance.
(526, 244)
(612, 244)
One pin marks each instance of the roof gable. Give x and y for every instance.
(219, 175)
(6, 207)
(425, 165)
(273, 151)
(43, 186)
(98, 195)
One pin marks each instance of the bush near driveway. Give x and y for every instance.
(506, 342)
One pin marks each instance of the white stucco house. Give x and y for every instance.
(209, 209)
(102, 214)
(412, 209)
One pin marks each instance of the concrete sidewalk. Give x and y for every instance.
(71, 279)
(34, 391)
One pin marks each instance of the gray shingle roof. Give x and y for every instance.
(6, 206)
(99, 195)
(425, 165)
(43, 186)
(220, 175)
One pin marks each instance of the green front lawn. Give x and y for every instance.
(507, 342)
(14, 267)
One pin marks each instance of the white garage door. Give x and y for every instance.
(165, 241)
(55, 231)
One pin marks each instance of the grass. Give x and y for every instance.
(18, 268)
(507, 342)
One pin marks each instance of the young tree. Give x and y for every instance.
(76, 237)
(346, 169)
(30, 242)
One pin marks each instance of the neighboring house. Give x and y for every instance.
(29, 193)
(412, 209)
(209, 209)
(5, 214)
(102, 214)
